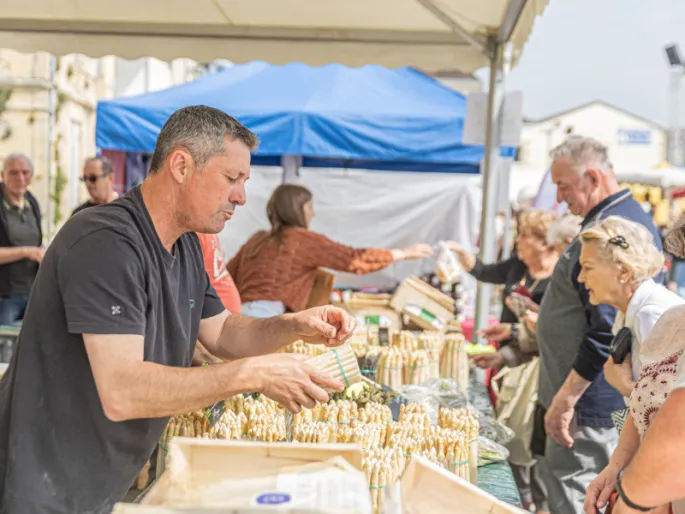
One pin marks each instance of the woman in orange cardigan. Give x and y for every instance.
(275, 270)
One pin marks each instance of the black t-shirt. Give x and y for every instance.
(106, 273)
(83, 206)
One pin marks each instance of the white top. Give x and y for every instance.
(646, 306)
(663, 356)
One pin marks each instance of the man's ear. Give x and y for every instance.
(594, 175)
(180, 164)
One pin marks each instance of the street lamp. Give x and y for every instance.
(677, 70)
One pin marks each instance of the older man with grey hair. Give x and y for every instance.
(20, 237)
(574, 336)
(122, 296)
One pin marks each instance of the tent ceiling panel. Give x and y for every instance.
(430, 34)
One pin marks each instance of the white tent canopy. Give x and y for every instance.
(428, 34)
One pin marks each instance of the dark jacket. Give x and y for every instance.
(5, 287)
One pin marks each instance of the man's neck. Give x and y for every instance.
(113, 195)
(15, 199)
(159, 202)
(605, 192)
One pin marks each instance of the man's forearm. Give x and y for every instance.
(202, 355)
(149, 390)
(242, 336)
(574, 387)
(655, 476)
(9, 254)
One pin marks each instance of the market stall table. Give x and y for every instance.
(496, 479)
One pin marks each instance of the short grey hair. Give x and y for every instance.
(583, 152)
(105, 164)
(563, 230)
(13, 157)
(202, 131)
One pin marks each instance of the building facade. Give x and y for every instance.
(634, 143)
(50, 114)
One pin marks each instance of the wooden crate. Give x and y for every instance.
(427, 487)
(414, 293)
(193, 463)
(322, 289)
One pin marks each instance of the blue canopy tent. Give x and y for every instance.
(332, 115)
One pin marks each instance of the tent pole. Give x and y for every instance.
(491, 164)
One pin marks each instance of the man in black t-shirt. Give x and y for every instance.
(98, 174)
(119, 301)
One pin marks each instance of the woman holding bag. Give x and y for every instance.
(516, 405)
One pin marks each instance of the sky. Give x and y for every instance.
(611, 50)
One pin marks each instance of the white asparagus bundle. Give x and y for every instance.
(390, 368)
(431, 340)
(312, 433)
(375, 413)
(404, 340)
(454, 362)
(340, 363)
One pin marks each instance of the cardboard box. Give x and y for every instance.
(428, 488)
(237, 475)
(381, 316)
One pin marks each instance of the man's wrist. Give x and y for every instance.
(242, 374)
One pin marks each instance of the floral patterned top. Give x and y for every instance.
(654, 386)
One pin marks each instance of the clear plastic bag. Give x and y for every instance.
(447, 267)
(489, 451)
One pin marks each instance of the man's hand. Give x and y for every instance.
(600, 490)
(500, 332)
(488, 360)
(286, 379)
(558, 420)
(323, 325)
(34, 253)
(620, 376)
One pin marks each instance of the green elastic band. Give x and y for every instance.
(461, 463)
(342, 370)
(343, 422)
(367, 371)
(407, 454)
(386, 367)
(376, 487)
(163, 447)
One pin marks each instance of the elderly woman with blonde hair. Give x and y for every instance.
(618, 260)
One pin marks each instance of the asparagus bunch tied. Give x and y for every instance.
(340, 363)
(196, 424)
(454, 362)
(383, 467)
(463, 420)
(391, 368)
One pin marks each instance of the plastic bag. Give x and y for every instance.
(447, 267)
(489, 451)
